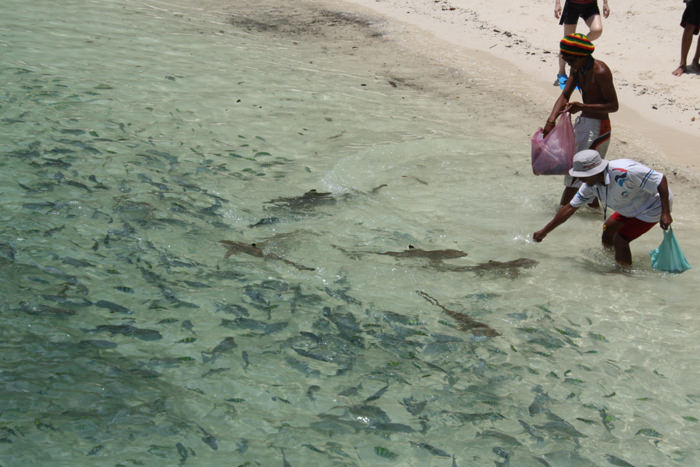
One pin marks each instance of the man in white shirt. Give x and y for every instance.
(639, 195)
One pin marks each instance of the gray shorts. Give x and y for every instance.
(590, 133)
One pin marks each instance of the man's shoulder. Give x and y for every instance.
(619, 167)
(600, 65)
(617, 164)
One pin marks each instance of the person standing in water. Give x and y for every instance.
(594, 79)
(573, 10)
(639, 195)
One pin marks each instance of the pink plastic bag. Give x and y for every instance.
(553, 154)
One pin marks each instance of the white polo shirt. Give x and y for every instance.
(630, 188)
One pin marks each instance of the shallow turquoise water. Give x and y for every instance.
(137, 135)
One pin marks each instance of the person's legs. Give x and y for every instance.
(613, 241)
(686, 41)
(610, 228)
(695, 64)
(619, 231)
(599, 140)
(568, 29)
(595, 24)
(623, 254)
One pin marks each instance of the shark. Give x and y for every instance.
(434, 256)
(509, 268)
(465, 322)
(307, 200)
(252, 249)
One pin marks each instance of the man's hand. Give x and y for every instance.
(665, 221)
(606, 10)
(539, 236)
(557, 10)
(573, 107)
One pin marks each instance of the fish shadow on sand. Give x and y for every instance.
(465, 322)
(252, 249)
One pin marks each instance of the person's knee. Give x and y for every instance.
(608, 237)
(595, 32)
(595, 26)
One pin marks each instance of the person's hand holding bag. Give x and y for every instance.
(552, 154)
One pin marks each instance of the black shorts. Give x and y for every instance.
(691, 15)
(573, 11)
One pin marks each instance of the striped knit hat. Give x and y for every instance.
(576, 44)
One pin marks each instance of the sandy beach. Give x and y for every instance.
(515, 47)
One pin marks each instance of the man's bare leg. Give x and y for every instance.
(595, 26)
(686, 41)
(568, 29)
(623, 255)
(610, 228)
(695, 64)
(612, 240)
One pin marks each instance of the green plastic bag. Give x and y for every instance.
(668, 256)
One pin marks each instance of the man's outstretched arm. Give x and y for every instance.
(559, 218)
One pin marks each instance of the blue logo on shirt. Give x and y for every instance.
(620, 179)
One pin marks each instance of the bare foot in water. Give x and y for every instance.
(680, 70)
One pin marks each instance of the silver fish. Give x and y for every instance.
(223, 347)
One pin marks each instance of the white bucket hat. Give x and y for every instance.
(587, 163)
